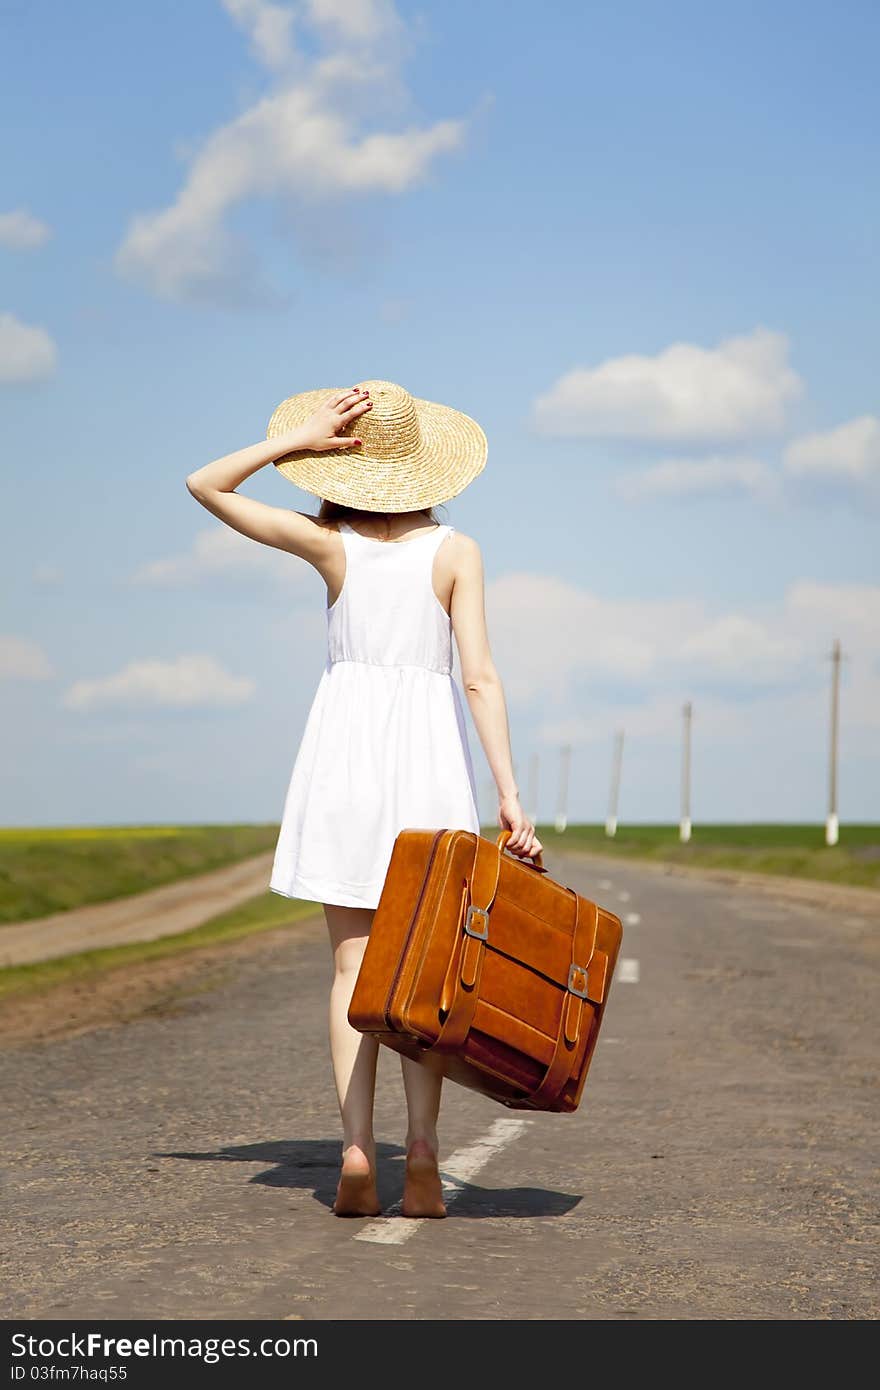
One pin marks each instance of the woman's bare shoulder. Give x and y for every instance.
(321, 525)
(464, 550)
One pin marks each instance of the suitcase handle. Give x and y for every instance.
(534, 862)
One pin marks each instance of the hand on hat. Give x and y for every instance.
(321, 431)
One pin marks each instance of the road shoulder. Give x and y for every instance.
(158, 988)
(816, 892)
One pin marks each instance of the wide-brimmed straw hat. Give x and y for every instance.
(414, 454)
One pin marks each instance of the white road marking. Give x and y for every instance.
(632, 919)
(605, 883)
(458, 1170)
(623, 896)
(628, 970)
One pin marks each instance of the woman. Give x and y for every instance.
(385, 746)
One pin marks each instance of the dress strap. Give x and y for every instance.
(438, 537)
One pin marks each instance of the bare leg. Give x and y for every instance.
(423, 1192)
(422, 1087)
(354, 1057)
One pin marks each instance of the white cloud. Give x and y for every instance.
(697, 477)
(355, 20)
(581, 645)
(760, 685)
(196, 681)
(736, 646)
(270, 28)
(850, 453)
(218, 553)
(22, 659)
(848, 611)
(573, 633)
(21, 231)
(27, 352)
(655, 718)
(310, 140)
(687, 393)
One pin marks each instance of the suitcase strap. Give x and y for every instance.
(586, 982)
(477, 898)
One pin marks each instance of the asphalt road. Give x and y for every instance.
(720, 1165)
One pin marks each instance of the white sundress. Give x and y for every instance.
(385, 745)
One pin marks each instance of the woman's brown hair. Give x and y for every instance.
(337, 511)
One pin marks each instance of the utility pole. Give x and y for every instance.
(684, 828)
(614, 795)
(532, 802)
(832, 824)
(562, 803)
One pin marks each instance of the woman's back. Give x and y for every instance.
(387, 612)
(385, 745)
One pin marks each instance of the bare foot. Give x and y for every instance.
(422, 1188)
(356, 1193)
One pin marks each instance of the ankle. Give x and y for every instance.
(358, 1152)
(422, 1144)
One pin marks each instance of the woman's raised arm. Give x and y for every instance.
(214, 485)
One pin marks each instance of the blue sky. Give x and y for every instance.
(637, 243)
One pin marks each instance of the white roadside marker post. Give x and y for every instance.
(562, 802)
(832, 824)
(684, 827)
(614, 795)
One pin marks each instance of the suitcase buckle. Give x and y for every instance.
(483, 914)
(573, 972)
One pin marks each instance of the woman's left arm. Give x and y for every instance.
(214, 485)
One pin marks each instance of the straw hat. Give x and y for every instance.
(414, 454)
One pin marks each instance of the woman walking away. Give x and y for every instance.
(385, 745)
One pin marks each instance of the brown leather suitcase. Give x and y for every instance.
(480, 964)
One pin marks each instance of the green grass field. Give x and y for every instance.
(50, 870)
(46, 870)
(798, 851)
